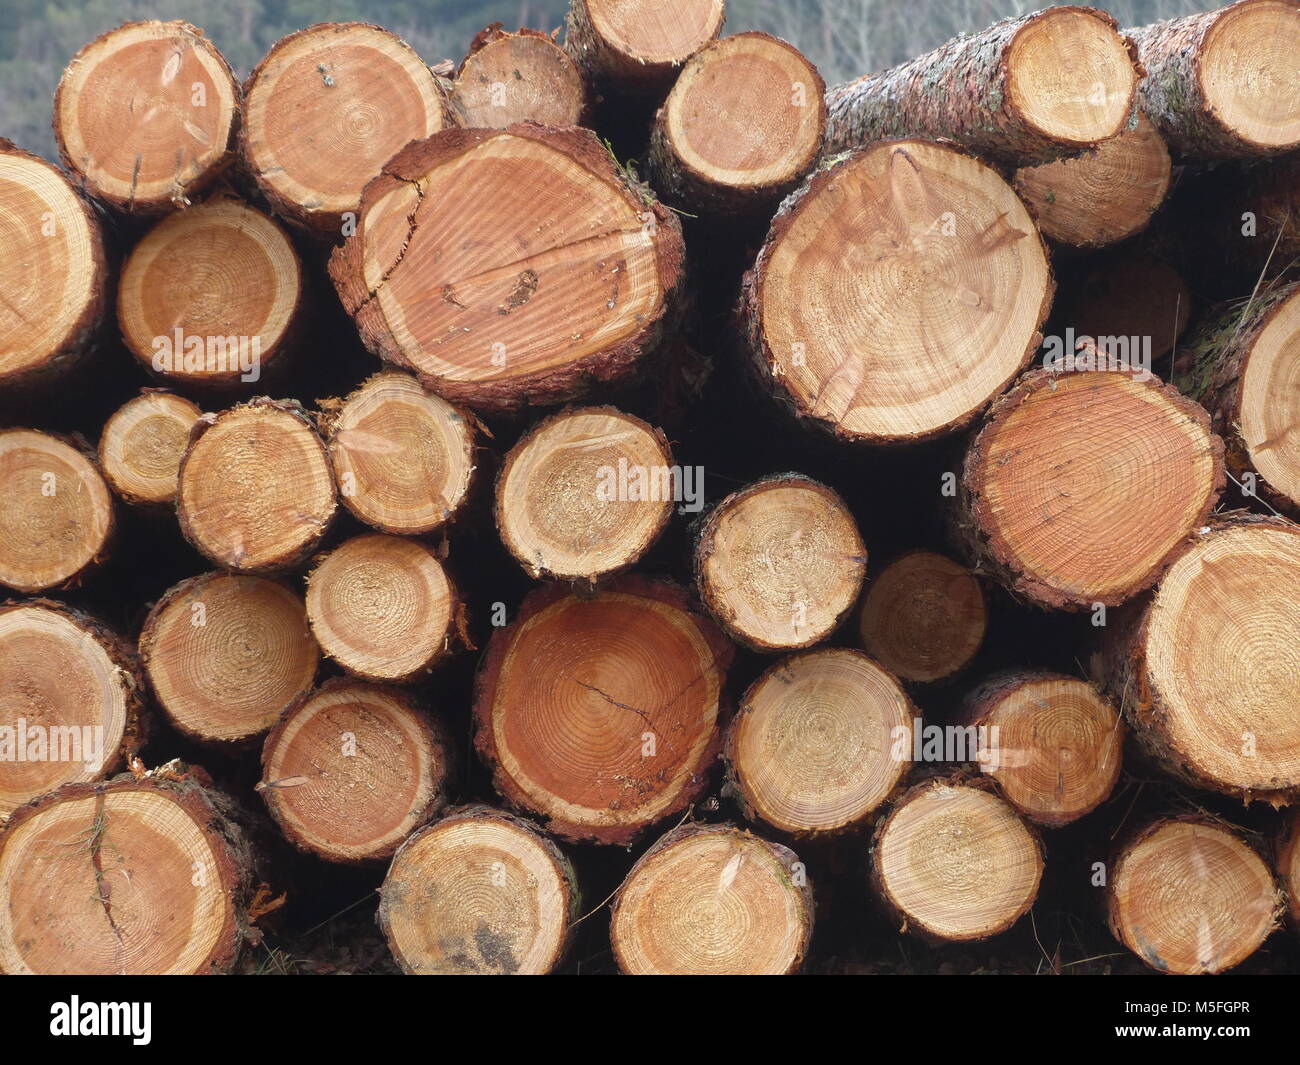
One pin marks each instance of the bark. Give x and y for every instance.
(1287, 865)
(519, 77)
(141, 446)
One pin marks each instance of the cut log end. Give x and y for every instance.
(382, 607)
(812, 749)
(640, 46)
(955, 862)
(210, 295)
(928, 232)
(1082, 485)
(601, 714)
(57, 515)
(1288, 866)
(1104, 196)
(479, 892)
(175, 136)
(256, 491)
(924, 617)
(142, 444)
(780, 563)
(713, 900)
(326, 108)
(69, 701)
(1188, 895)
(585, 494)
(1131, 297)
(510, 267)
(518, 77)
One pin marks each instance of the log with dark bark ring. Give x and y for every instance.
(601, 714)
(637, 47)
(510, 268)
(519, 77)
(713, 900)
(142, 444)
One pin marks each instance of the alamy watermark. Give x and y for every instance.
(1072, 353)
(632, 483)
(920, 742)
(23, 742)
(193, 353)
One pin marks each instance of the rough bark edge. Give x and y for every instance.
(704, 548)
(614, 69)
(482, 812)
(749, 316)
(991, 556)
(546, 387)
(494, 32)
(784, 856)
(485, 685)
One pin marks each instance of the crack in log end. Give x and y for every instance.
(611, 700)
(521, 294)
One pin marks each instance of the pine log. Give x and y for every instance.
(145, 876)
(952, 861)
(1026, 90)
(1053, 744)
(600, 714)
(382, 607)
(403, 457)
(53, 273)
(638, 47)
(923, 617)
(1082, 485)
(741, 127)
(550, 273)
(226, 654)
(1245, 369)
(585, 494)
(211, 296)
(519, 77)
(57, 514)
(713, 900)
(811, 749)
(325, 109)
(1103, 196)
(142, 443)
(1224, 83)
(1208, 671)
(145, 116)
(1288, 865)
(1124, 294)
(479, 892)
(951, 285)
(1189, 895)
(780, 563)
(256, 491)
(352, 769)
(70, 700)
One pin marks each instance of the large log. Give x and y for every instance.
(146, 115)
(510, 267)
(601, 714)
(519, 77)
(637, 47)
(1026, 90)
(1224, 83)
(142, 444)
(951, 285)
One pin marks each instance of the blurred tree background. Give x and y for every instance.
(845, 38)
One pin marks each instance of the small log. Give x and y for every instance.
(600, 714)
(53, 272)
(479, 892)
(57, 516)
(812, 748)
(211, 297)
(1132, 297)
(227, 654)
(551, 273)
(382, 607)
(1224, 84)
(638, 47)
(1026, 90)
(71, 704)
(585, 494)
(923, 617)
(145, 116)
(951, 285)
(780, 563)
(519, 77)
(741, 127)
(952, 861)
(256, 488)
(713, 900)
(325, 109)
(352, 770)
(1082, 485)
(1188, 895)
(1102, 197)
(142, 443)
